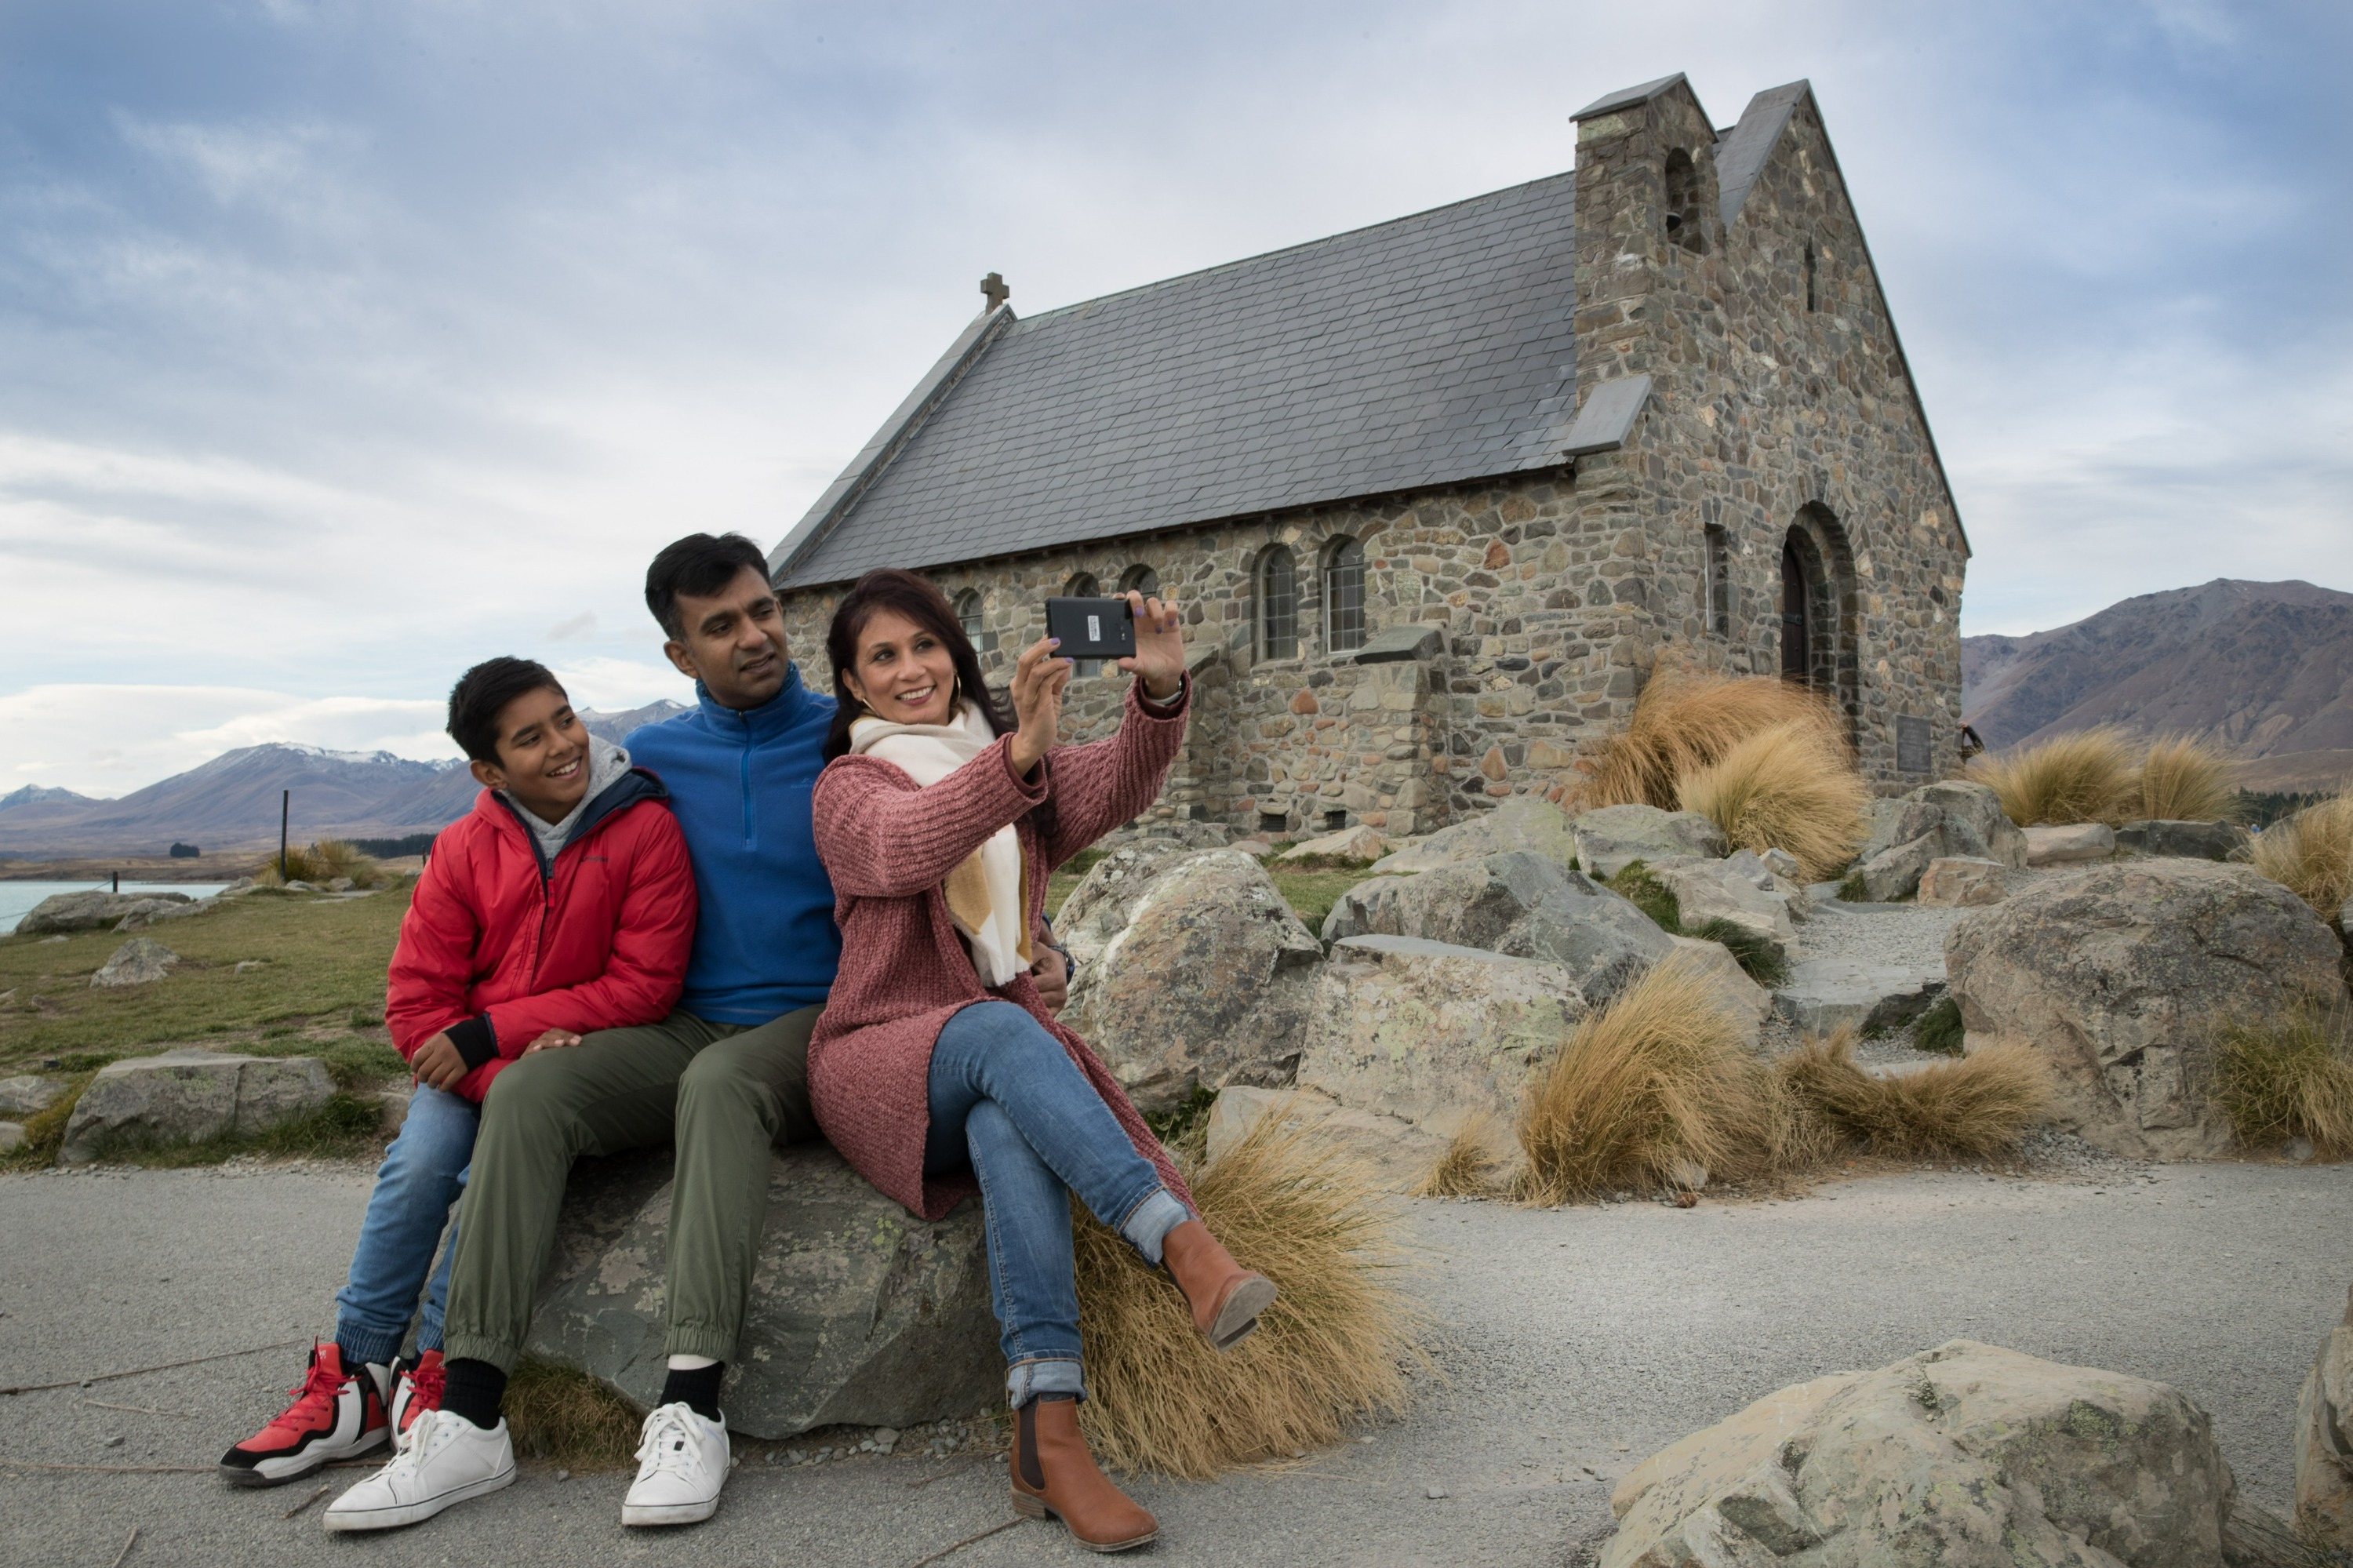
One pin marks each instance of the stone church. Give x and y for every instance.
(1439, 495)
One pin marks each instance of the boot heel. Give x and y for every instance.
(1028, 1507)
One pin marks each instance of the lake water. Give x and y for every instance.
(18, 899)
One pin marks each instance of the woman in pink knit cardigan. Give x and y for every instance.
(935, 1064)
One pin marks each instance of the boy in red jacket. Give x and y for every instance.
(562, 903)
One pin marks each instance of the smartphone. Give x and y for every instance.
(1092, 628)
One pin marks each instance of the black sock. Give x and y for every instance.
(473, 1390)
(698, 1389)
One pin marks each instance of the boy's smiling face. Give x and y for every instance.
(542, 754)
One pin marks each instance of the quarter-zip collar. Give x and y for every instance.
(770, 719)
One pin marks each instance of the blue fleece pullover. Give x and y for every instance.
(739, 783)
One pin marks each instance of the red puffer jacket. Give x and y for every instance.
(498, 946)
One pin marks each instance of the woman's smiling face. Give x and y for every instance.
(904, 673)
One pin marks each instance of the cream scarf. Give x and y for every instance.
(985, 897)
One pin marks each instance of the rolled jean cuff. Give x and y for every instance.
(359, 1343)
(1151, 1221)
(1025, 1380)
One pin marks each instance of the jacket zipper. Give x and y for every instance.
(744, 780)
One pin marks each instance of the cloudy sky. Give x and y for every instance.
(347, 343)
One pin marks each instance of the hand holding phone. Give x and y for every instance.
(1092, 628)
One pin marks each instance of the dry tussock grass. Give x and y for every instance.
(2186, 781)
(1791, 786)
(2311, 854)
(1660, 1076)
(557, 1413)
(1469, 1168)
(1335, 1344)
(2290, 1078)
(319, 862)
(1973, 1107)
(2090, 775)
(1686, 721)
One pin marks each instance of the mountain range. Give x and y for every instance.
(2261, 671)
(232, 801)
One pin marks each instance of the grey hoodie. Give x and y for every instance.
(607, 763)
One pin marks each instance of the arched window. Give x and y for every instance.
(1080, 585)
(1278, 605)
(969, 616)
(1140, 579)
(1683, 203)
(1718, 584)
(1344, 597)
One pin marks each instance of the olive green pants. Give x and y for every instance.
(726, 1092)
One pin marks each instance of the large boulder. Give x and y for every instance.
(1192, 971)
(1394, 1153)
(1349, 843)
(2324, 1441)
(185, 1096)
(1610, 838)
(2122, 975)
(1519, 903)
(2072, 843)
(89, 911)
(1967, 1456)
(1896, 870)
(2185, 841)
(1434, 1034)
(1951, 818)
(861, 1314)
(142, 960)
(1741, 997)
(1521, 822)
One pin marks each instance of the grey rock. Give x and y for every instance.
(1521, 822)
(1973, 821)
(1709, 890)
(2122, 975)
(1395, 1152)
(2186, 841)
(156, 911)
(1521, 903)
(2324, 1457)
(1781, 863)
(1192, 971)
(1964, 881)
(1349, 843)
(88, 911)
(1827, 993)
(1899, 821)
(12, 1136)
(1741, 997)
(28, 1095)
(1611, 837)
(142, 960)
(1894, 873)
(183, 1097)
(1435, 1034)
(1968, 1454)
(2299, 1149)
(2075, 844)
(861, 1314)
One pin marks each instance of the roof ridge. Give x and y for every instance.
(1302, 245)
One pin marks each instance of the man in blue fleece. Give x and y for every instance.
(726, 1074)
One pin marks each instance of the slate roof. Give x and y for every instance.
(1429, 350)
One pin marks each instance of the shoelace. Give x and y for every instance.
(321, 1386)
(428, 1383)
(409, 1447)
(669, 1445)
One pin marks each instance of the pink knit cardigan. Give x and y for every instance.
(889, 847)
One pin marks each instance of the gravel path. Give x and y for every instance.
(1572, 1342)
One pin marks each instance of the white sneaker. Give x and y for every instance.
(442, 1460)
(681, 1464)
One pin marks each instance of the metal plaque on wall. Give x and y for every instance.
(1911, 744)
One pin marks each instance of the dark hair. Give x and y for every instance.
(698, 565)
(922, 603)
(482, 693)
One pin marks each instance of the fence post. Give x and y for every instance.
(285, 797)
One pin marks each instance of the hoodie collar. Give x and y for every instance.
(771, 718)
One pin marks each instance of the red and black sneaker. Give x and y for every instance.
(416, 1389)
(335, 1415)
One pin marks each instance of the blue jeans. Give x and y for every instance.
(423, 1173)
(1006, 1100)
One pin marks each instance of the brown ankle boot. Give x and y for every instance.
(1055, 1477)
(1226, 1298)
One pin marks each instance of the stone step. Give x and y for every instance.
(1824, 993)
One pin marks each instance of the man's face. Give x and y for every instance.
(542, 754)
(733, 642)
